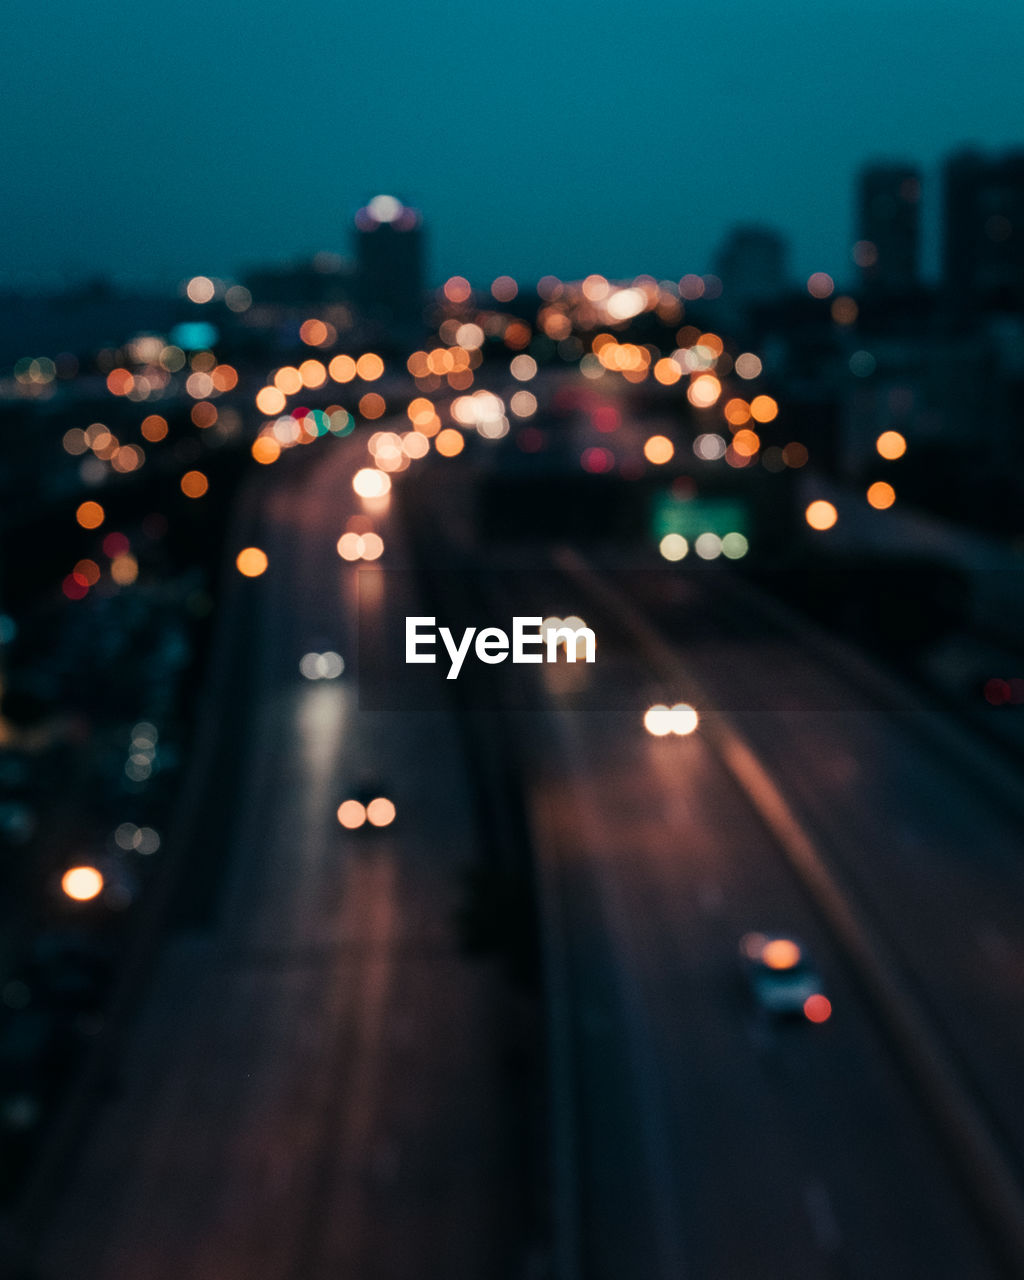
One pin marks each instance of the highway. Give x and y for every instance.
(317, 1085)
(319, 1082)
(707, 1141)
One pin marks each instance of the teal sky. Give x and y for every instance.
(152, 142)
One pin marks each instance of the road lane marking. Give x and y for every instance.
(997, 1193)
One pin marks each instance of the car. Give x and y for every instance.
(781, 979)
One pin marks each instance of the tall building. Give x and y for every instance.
(751, 264)
(889, 227)
(983, 234)
(390, 263)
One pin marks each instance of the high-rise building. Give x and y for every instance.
(983, 240)
(889, 226)
(751, 264)
(390, 263)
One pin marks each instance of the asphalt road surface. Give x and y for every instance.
(316, 1086)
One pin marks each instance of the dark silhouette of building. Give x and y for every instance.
(390, 263)
(322, 281)
(889, 226)
(751, 264)
(983, 244)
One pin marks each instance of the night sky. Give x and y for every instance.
(150, 141)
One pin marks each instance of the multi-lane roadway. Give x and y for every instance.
(321, 1083)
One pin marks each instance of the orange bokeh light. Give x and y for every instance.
(821, 515)
(265, 449)
(891, 445)
(82, 884)
(659, 450)
(372, 405)
(153, 428)
(763, 409)
(270, 400)
(90, 515)
(251, 562)
(194, 484)
(449, 442)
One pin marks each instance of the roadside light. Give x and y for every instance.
(82, 884)
(371, 483)
(780, 953)
(817, 1008)
(881, 495)
(821, 515)
(891, 445)
(251, 562)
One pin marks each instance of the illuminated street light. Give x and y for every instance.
(82, 884)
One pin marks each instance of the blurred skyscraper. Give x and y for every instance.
(751, 264)
(390, 263)
(889, 227)
(983, 245)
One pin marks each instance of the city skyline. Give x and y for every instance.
(563, 142)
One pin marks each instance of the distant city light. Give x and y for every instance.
(523, 404)
(673, 546)
(704, 390)
(449, 442)
(735, 546)
(90, 515)
(891, 445)
(154, 428)
(708, 546)
(251, 562)
(372, 483)
(369, 367)
(82, 884)
(194, 484)
(658, 450)
(667, 371)
(764, 409)
(821, 515)
(820, 284)
(845, 311)
(372, 405)
(504, 289)
(385, 208)
(881, 495)
(270, 400)
(200, 289)
(342, 368)
(470, 336)
(746, 442)
(124, 570)
(458, 289)
(710, 446)
(265, 449)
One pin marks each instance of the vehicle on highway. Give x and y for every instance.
(781, 979)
